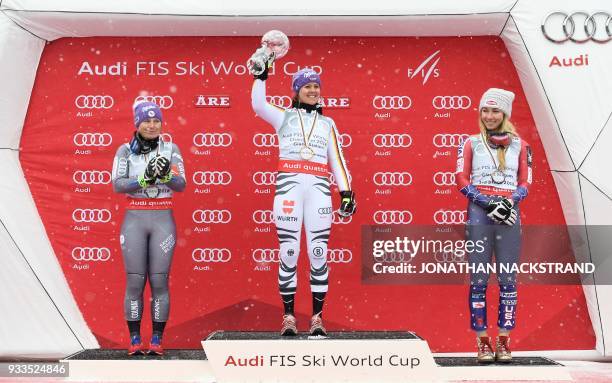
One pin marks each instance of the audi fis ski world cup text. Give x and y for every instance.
(182, 68)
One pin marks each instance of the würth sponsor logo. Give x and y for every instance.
(335, 102)
(561, 62)
(288, 206)
(212, 101)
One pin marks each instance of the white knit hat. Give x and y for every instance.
(497, 98)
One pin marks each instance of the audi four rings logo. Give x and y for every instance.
(395, 257)
(340, 220)
(596, 27)
(272, 255)
(332, 179)
(92, 139)
(391, 102)
(94, 102)
(212, 139)
(449, 140)
(444, 178)
(95, 254)
(280, 101)
(266, 255)
(449, 257)
(339, 256)
(91, 177)
(392, 216)
(392, 178)
(212, 178)
(164, 102)
(450, 216)
(91, 215)
(211, 255)
(345, 140)
(265, 140)
(392, 140)
(451, 102)
(166, 137)
(211, 216)
(263, 217)
(264, 178)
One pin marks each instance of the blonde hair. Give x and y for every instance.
(505, 127)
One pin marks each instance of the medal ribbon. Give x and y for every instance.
(486, 145)
(314, 121)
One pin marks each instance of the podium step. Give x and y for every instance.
(274, 335)
(116, 366)
(516, 361)
(100, 354)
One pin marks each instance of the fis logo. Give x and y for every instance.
(427, 68)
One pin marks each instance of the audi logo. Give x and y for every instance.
(212, 139)
(91, 177)
(164, 102)
(392, 178)
(340, 220)
(449, 257)
(265, 255)
(272, 255)
(444, 178)
(94, 254)
(450, 216)
(391, 102)
(345, 140)
(394, 257)
(392, 140)
(339, 256)
(265, 140)
(449, 140)
(211, 255)
(332, 179)
(92, 139)
(91, 215)
(392, 216)
(568, 29)
(264, 178)
(211, 216)
(212, 178)
(94, 102)
(451, 102)
(280, 101)
(165, 137)
(262, 217)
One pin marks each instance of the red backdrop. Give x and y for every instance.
(400, 104)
